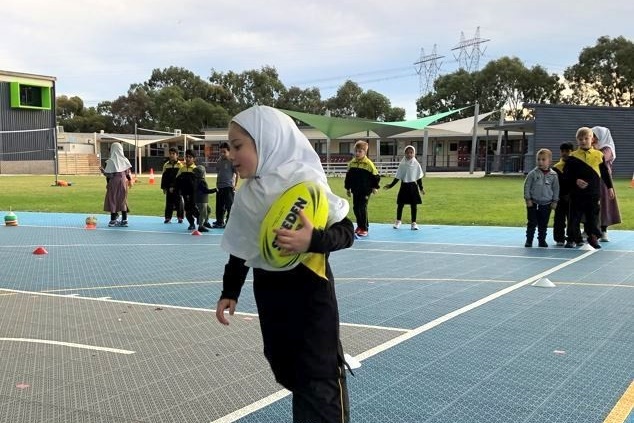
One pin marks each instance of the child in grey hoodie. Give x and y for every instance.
(541, 193)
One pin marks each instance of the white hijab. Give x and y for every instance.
(604, 138)
(285, 158)
(117, 161)
(409, 170)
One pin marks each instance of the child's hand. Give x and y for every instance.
(582, 184)
(553, 205)
(349, 193)
(374, 190)
(223, 304)
(611, 193)
(386, 187)
(529, 203)
(295, 241)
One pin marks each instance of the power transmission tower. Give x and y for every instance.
(427, 68)
(470, 52)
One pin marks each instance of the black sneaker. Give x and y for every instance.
(124, 223)
(112, 223)
(217, 225)
(191, 227)
(207, 225)
(528, 244)
(201, 228)
(569, 244)
(167, 220)
(543, 244)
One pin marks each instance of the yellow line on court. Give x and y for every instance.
(623, 407)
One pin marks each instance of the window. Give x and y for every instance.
(25, 96)
(345, 147)
(388, 148)
(453, 146)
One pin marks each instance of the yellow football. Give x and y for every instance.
(284, 213)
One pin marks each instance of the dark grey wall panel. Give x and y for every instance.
(555, 124)
(39, 145)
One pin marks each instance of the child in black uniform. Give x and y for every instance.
(362, 179)
(297, 307)
(201, 197)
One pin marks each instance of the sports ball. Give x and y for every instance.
(284, 213)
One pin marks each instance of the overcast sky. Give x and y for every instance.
(96, 49)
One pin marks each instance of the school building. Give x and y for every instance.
(27, 123)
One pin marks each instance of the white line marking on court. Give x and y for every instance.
(442, 319)
(245, 411)
(232, 417)
(68, 344)
(142, 285)
(450, 253)
(75, 297)
(106, 228)
(358, 325)
(424, 279)
(110, 245)
(603, 285)
(206, 310)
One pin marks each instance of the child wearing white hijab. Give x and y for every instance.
(117, 173)
(297, 306)
(610, 213)
(410, 174)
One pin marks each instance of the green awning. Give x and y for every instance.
(335, 127)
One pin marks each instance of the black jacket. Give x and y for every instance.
(298, 311)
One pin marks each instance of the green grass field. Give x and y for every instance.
(488, 201)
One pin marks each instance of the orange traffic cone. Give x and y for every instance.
(151, 176)
(196, 232)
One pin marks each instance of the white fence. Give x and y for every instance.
(339, 169)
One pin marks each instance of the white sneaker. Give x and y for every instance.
(397, 224)
(604, 237)
(414, 226)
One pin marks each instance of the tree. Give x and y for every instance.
(372, 105)
(249, 88)
(344, 103)
(395, 114)
(191, 85)
(604, 74)
(451, 91)
(307, 101)
(505, 82)
(135, 107)
(67, 108)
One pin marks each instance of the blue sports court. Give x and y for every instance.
(118, 325)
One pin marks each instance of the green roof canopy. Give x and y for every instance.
(335, 127)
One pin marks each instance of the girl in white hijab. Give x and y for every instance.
(610, 213)
(410, 174)
(297, 306)
(118, 175)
